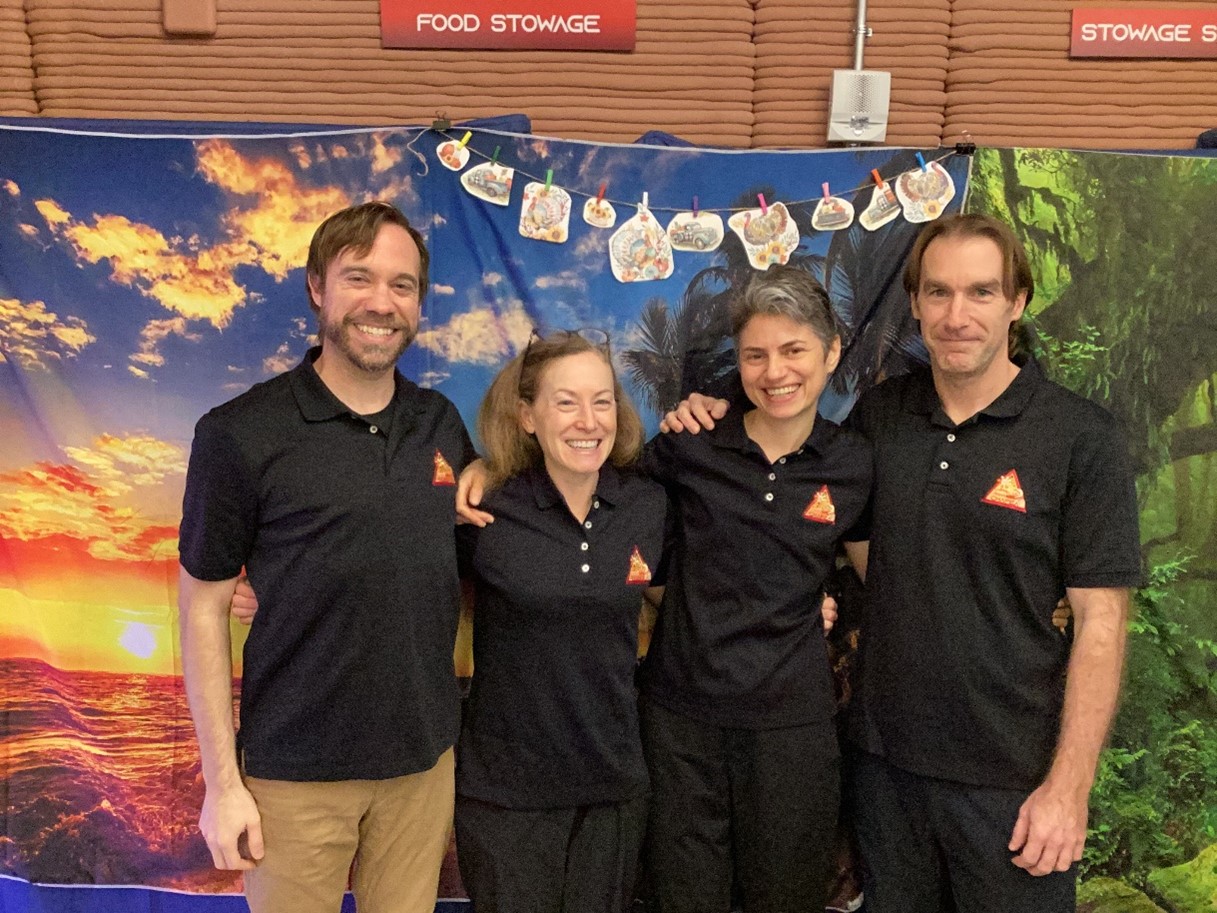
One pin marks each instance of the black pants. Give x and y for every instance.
(753, 807)
(559, 860)
(932, 845)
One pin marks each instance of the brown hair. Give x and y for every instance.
(1016, 268)
(355, 228)
(509, 448)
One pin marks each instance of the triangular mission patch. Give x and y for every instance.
(1007, 492)
(820, 508)
(443, 471)
(639, 572)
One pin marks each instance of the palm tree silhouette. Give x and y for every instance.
(688, 347)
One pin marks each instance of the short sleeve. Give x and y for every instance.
(1100, 536)
(658, 457)
(220, 507)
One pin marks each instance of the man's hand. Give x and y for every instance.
(1051, 829)
(695, 413)
(469, 492)
(828, 613)
(244, 602)
(227, 815)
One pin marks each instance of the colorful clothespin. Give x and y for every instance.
(921, 162)
(549, 178)
(600, 194)
(824, 187)
(465, 139)
(494, 159)
(695, 207)
(764, 206)
(874, 172)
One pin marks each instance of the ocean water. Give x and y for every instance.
(100, 782)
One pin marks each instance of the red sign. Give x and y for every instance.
(1132, 32)
(601, 25)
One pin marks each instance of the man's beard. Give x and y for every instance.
(372, 359)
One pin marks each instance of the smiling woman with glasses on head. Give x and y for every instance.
(551, 781)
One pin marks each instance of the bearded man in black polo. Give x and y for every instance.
(332, 486)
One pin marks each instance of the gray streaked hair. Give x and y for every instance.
(786, 291)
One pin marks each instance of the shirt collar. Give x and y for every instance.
(729, 433)
(922, 398)
(608, 487)
(318, 404)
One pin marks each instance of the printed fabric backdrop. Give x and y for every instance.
(146, 277)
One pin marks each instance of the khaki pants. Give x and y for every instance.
(396, 832)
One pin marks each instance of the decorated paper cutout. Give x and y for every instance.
(883, 206)
(489, 182)
(925, 194)
(599, 213)
(545, 213)
(452, 155)
(832, 213)
(769, 236)
(695, 231)
(640, 250)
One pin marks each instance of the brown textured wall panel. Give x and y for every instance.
(321, 61)
(800, 42)
(725, 72)
(16, 62)
(1011, 82)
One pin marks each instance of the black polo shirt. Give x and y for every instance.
(552, 717)
(978, 529)
(739, 641)
(348, 537)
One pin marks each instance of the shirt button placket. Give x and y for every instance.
(585, 545)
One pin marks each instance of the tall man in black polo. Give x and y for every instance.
(982, 709)
(332, 486)
(997, 492)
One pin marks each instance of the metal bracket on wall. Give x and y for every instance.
(189, 18)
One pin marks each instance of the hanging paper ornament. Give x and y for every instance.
(599, 212)
(769, 233)
(545, 212)
(640, 250)
(883, 205)
(832, 213)
(695, 231)
(490, 182)
(452, 154)
(925, 192)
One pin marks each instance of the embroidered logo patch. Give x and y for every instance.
(639, 572)
(1007, 492)
(443, 472)
(820, 508)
